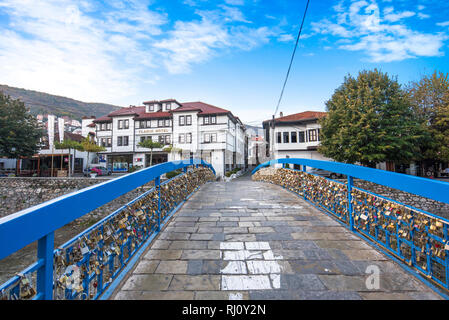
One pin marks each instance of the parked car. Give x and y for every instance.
(102, 171)
(325, 173)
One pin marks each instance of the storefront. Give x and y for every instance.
(120, 162)
(158, 157)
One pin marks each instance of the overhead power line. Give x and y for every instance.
(291, 60)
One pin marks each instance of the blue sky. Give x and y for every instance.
(230, 53)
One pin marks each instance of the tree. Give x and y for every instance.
(20, 132)
(69, 144)
(430, 99)
(149, 144)
(370, 120)
(88, 145)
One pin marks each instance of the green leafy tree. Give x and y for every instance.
(89, 146)
(370, 120)
(430, 99)
(150, 144)
(70, 145)
(20, 132)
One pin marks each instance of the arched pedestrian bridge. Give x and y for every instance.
(278, 234)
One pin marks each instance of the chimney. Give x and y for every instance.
(281, 114)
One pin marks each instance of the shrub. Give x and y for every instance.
(172, 174)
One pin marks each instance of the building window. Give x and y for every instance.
(160, 123)
(148, 123)
(301, 136)
(126, 124)
(151, 107)
(167, 123)
(120, 124)
(206, 120)
(137, 124)
(279, 137)
(125, 140)
(181, 138)
(167, 139)
(168, 106)
(109, 142)
(206, 137)
(213, 119)
(294, 137)
(286, 134)
(188, 120)
(181, 120)
(119, 141)
(188, 138)
(161, 139)
(103, 142)
(213, 137)
(313, 135)
(142, 139)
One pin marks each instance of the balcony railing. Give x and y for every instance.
(417, 238)
(87, 266)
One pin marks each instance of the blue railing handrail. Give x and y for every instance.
(29, 225)
(428, 188)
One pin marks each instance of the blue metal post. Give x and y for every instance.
(45, 247)
(157, 183)
(350, 209)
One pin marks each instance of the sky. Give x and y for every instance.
(232, 54)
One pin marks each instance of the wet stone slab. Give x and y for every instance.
(245, 240)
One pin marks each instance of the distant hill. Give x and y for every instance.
(44, 103)
(255, 129)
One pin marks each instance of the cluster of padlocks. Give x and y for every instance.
(418, 238)
(328, 194)
(83, 268)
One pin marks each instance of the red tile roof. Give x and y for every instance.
(204, 108)
(127, 111)
(152, 115)
(103, 119)
(306, 115)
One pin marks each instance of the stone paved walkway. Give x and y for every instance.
(253, 240)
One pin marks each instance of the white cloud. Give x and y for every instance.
(383, 38)
(285, 38)
(233, 14)
(443, 24)
(103, 51)
(423, 15)
(197, 41)
(54, 46)
(393, 17)
(235, 2)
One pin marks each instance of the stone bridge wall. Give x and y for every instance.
(20, 193)
(432, 206)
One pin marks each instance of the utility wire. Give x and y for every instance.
(291, 60)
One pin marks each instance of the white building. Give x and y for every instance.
(192, 129)
(53, 162)
(294, 136)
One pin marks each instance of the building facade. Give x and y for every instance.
(294, 136)
(186, 130)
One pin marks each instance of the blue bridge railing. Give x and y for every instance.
(85, 266)
(413, 236)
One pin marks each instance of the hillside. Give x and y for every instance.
(44, 103)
